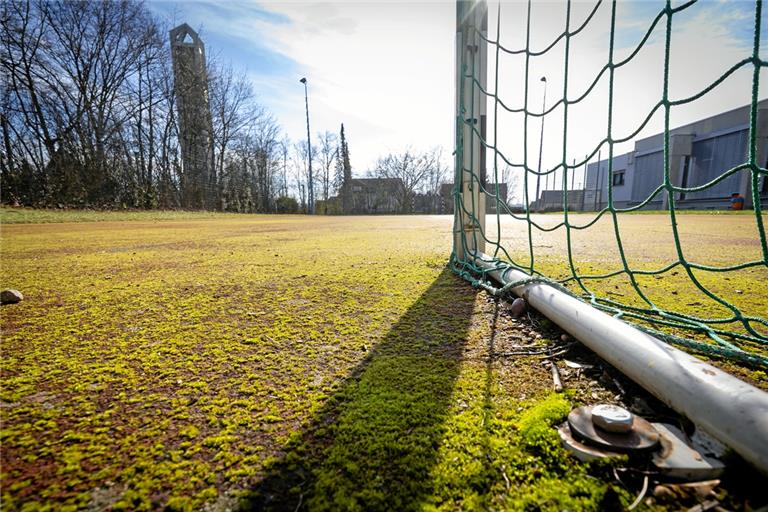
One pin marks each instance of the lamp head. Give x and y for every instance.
(543, 79)
(303, 80)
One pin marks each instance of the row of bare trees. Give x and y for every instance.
(332, 169)
(88, 114)
(420, 175)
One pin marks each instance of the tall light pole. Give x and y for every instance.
(541, 142)
(311, 199)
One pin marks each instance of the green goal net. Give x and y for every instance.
(626, 200)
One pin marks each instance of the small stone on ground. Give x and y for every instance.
(517, 307)
(9, 296)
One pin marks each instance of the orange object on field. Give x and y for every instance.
(737, 202)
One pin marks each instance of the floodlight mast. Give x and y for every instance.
(541, 145)
(311, 194)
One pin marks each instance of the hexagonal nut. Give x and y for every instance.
(612, 418)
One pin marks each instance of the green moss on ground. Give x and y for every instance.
(10, 215)
(179, 364)
(332, 362)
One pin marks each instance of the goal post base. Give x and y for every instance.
(728, 408)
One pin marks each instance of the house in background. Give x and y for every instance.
(372, 196)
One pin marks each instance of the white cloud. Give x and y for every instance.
(384, 69)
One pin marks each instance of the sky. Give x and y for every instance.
(386, 69)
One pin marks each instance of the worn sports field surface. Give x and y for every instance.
(290, 362)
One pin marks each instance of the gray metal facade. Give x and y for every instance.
(710, 158)
(700, 153)
(649, 174)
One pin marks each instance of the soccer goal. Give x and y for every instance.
(619, 187)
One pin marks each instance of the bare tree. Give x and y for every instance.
(327, 159)
(265, 133)
(285, 148)
(233, 108)
(508, 175)
(71, 67)
(300, 163)
(434, 180)
(88, 113)
(250, 166)
(412, 169)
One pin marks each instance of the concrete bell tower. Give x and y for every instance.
(198, 179)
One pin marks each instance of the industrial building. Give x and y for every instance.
(700, 152)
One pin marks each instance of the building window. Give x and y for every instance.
(618, 178)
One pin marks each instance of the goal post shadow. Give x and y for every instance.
(373, 444)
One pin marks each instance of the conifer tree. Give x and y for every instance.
(346, 187)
